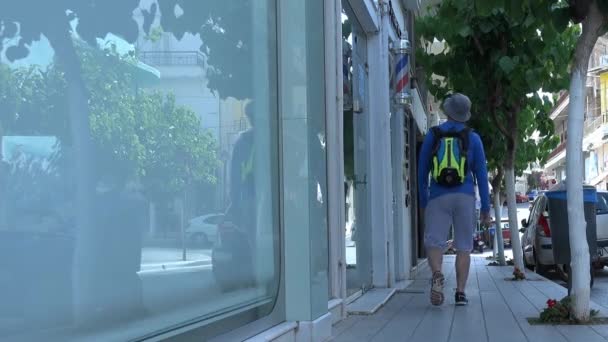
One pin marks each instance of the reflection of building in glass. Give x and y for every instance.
(183, 69)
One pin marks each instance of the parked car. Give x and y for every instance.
(521, 198)
(202, 230)
(536, 240)
(506, 232)
(532, 194)
(602, 219)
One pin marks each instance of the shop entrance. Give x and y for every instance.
(356, 115)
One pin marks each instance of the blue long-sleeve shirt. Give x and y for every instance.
(477, 169)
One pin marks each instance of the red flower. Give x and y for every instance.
(551, 303)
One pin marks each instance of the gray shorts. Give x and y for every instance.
(441, 212)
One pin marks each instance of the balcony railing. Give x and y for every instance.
(594, 123)
(557, 150)
(173, 58)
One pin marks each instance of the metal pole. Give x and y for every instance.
(495, 249)
(183, 228)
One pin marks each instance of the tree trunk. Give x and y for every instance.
(83, 275)
(518, 257)
(500, 244)
(579, 250)
(108, 227)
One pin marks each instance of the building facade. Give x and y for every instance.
(595, 168)
(270, 147)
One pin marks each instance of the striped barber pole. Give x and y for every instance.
(403, 75)
(402, 50)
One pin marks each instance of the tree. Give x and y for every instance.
(592, 15)
(501, 54)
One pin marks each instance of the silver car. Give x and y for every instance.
(536, 240)
(602, 219)
(202, 230)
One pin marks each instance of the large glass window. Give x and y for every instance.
(139, 167)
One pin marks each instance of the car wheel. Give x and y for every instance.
(200, 239)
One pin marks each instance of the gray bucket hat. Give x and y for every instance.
(458, 107)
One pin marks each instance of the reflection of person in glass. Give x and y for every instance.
(233, 257)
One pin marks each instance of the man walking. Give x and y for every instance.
(455, 158)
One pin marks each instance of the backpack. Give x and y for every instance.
(449, 158)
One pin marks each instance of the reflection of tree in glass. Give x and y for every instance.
(136, 134)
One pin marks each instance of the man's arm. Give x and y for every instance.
(424, 167)
(480, 171)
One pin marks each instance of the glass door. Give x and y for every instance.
(357, 230)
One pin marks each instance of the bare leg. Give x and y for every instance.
(435, 256)
(463, 264)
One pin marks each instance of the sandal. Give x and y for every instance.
(437, 284)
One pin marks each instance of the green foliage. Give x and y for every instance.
(500, 53)
(138, 135)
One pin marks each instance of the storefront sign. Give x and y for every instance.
(394, 21)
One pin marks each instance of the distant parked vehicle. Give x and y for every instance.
(532, 194)
(478, 243)
(521, 198)
(506, 232)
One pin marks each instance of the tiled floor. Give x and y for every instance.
(497, 311)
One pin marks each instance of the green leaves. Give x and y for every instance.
(487, 7)
(465, 31)
(507, 64)
(560, 18)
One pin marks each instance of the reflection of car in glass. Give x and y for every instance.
(202, 230)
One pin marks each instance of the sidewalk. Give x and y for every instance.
(497, 311)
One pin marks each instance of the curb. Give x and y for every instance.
(174, 265)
